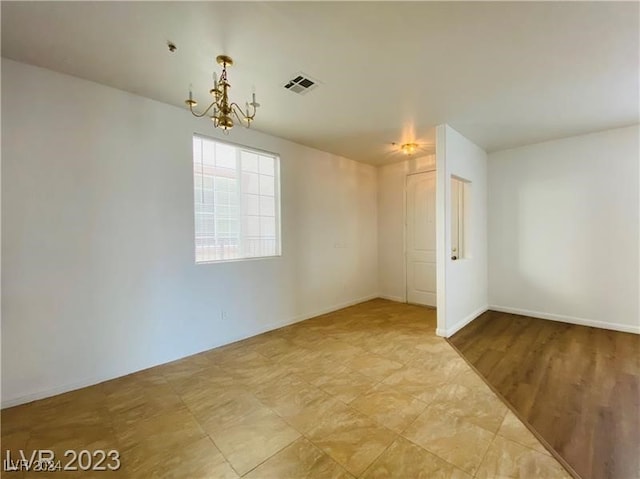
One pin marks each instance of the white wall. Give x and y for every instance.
(563, 229)
(462, 284)
(98, 265)
(391, 229)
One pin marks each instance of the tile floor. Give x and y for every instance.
(368, 391)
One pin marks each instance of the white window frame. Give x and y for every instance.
(239, 148)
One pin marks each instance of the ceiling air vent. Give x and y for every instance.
(301, 83)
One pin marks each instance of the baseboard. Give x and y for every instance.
(625, 328)
(448, 332)
(93, 380)
(397, 299)
(320, 312)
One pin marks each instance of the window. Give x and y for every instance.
(236, 201)
(459, 217)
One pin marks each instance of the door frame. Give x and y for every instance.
(404, 229)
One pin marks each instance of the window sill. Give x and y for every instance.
(236, 260)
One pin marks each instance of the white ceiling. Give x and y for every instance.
(503, 74)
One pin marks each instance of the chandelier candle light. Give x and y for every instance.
(223, 111)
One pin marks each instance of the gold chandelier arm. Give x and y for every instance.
(241, 118)
(204, 113)
(236, 108)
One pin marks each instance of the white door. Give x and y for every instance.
(421, 238)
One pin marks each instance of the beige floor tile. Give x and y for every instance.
(375, 340)
(299, 359)
(508, 459)
(352, 439)
(14, 441)
(469, 378)
(231, 352)
(453, 439)
(18, 419)
(341, 382)
(401, 351)
(417, 382)
(373, 366)
(299, 403)
(82, 408)
(513, 429)
(299, 460)
(319, 370)
(202, 377)
(482, 408)
(447, 365)
(247, 445)
(257, 372)
(393, 409)
(352, 336)
(273, 346)
(240, 357)
(206, 392)
(74, 420)
(186, 366)
(217, 417)
(288, 391)
(314, 413)
(248, 434)
(306, 338)
(405, 460)
(335, 351)
(148, 378)
(198, 460)
(176, 429)
(436, 346)
(61, 440)
(139, 396)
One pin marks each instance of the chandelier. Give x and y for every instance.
(409, 148)
(224, 111)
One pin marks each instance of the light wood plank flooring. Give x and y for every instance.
(368, 391)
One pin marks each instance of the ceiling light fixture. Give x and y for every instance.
(409, 148)
(223, 110)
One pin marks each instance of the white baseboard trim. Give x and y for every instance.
(91, 381)
(625, 328)
(397, 299)
(448, 332)
(320, 312)
(65, 388)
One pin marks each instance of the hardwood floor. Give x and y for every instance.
(577, 387)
